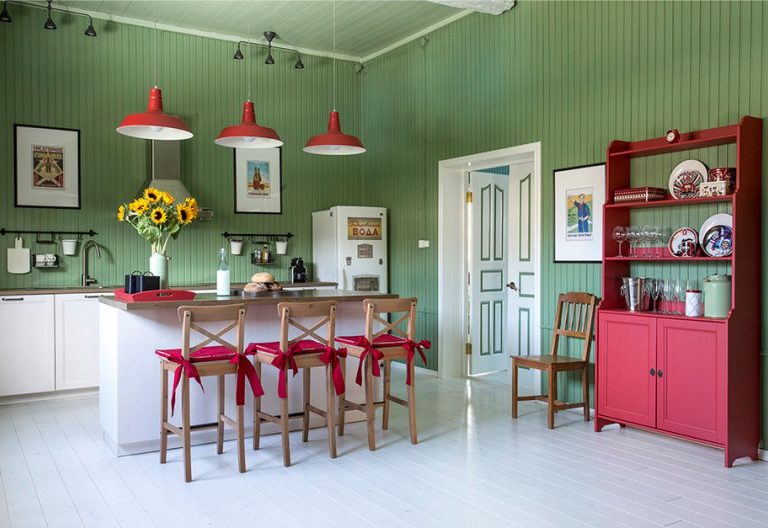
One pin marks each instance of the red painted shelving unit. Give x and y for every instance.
(692, 378)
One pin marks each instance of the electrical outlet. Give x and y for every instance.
(423, 244)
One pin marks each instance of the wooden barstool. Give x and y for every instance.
(305, 351)
(199, 361)
(388, 343)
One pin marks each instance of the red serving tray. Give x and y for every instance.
(154, 295)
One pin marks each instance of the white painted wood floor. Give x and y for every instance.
(475, 466)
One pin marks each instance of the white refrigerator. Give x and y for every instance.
(349, 247)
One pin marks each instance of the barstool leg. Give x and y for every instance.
(411, 389)
(256, 411)
(305, 405)
(186, 428)
(330, 420)
(387, 385)
(163, 413)
(369, 408)
(241, 438)
(220, 417)
(284, 431)
(514, 389)
(341, 397)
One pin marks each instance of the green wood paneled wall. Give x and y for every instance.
(573, 75)
(63, 79)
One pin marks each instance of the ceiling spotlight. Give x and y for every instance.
(299, 65)
(238, 54)
(269, 60)
(359, 66)
(49, 24)
(4, 16)
(90, 31)
(269, 35)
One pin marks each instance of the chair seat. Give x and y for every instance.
(201, 355)
(383, 341)
(305, 346)
(547, 360)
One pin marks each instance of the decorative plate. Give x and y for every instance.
(684, 242)
(685, 179)
(720, 243)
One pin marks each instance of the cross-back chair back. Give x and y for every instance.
(574, 318)
(191, 316)
(321, 329)
(376, 325)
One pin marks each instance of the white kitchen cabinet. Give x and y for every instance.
(77, 340)
(27, 344)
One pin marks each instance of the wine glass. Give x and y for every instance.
(656, 236)
(679, 295)
(646, 235)
(650, 287)
(666, 296)
(658, 286)
(633, 233)
(620, 235)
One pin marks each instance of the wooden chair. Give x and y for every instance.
(574, 318)
(386, 344)
(305, 351)
(200, 361)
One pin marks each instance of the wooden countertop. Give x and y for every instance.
(208, 299)
(98, 290)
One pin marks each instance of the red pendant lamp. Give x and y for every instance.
(154, 123)
(334, 142)
(248, 134)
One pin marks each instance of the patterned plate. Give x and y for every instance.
(686, 178)
(684, 242)
(718, 241)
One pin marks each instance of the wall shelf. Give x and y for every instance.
(671, 202)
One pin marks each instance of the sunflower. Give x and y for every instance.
(184, 215)
(152, 195)
(159, 216)
(139, 206)
(166, 198)
(121, 213)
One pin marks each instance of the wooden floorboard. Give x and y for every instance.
(474, 466)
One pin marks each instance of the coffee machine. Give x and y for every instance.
(298, 270)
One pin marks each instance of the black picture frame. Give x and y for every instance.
(16, 167)
(279, 151)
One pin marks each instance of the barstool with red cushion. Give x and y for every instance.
(305, 351)
(386, 344)
(200, 361)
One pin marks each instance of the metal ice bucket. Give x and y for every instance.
(635, 294)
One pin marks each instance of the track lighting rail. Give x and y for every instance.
(5, 16)
(269, 36)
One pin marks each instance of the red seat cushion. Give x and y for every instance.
(383, 341)
(209, 353)
(305, 346)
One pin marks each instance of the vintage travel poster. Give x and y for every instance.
(579, 213)
(364, 228)
(47, 167)
(259, 184)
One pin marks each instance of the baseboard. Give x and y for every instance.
(43, 396)
(762, 454)
(417, 369)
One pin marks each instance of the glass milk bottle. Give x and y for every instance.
(222, 274)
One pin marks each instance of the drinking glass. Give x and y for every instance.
(620, 235)
(650, 287)
(679, 295)
(633, 233)
(658, 286)
(657, 234)
(646, 235)
(666, 296)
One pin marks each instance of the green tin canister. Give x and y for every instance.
(717, 296)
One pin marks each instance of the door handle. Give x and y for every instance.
(13, 298)
(653, 372)
(660, 373)
(512, 286)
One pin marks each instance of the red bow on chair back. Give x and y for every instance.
(412, 347)
(283, 361)
(376, 356)
(330, 356)
(184, 366)
(245, 369)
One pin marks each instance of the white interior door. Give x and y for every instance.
(488, 267)
(521, 285)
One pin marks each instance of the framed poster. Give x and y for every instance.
(47, 167)
(579, 199)
(258, 181)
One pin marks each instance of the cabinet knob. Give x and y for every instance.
(653, 372)
(660, 373)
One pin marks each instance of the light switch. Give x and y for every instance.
(423, 244)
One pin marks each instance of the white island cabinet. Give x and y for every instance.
(77, 340)
(26, 344)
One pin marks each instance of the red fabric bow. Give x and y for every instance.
(412, 347)
(330, 356)
(376, 354)
(245, 369)
(184, 366)
(284, 360)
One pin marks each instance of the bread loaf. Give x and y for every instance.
(262, 277)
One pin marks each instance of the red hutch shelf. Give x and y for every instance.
(692, 378)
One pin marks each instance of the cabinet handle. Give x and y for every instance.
(13, 298)
(92, 296)
(660, 373)
(653, 372)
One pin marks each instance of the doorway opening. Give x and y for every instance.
(490, 285)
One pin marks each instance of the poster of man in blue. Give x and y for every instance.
(579, 203)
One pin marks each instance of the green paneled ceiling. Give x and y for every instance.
(363, 27)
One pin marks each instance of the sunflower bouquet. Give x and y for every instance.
(157, 217)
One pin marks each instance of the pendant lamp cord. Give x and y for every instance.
(249, 71)
(334, 55)
(155, 39)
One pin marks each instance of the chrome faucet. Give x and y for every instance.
(86, 280)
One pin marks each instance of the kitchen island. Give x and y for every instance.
(129, 372)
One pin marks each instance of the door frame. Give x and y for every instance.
(452, 257)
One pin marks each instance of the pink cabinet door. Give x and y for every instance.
(691, 384)
(626, 368)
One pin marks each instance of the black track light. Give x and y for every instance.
(49, 24)
(238, 54)
(90, 31)
(4, 16)
(269, 35)
(299, 64)
(269, 60)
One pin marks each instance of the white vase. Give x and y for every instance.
(158, 265)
